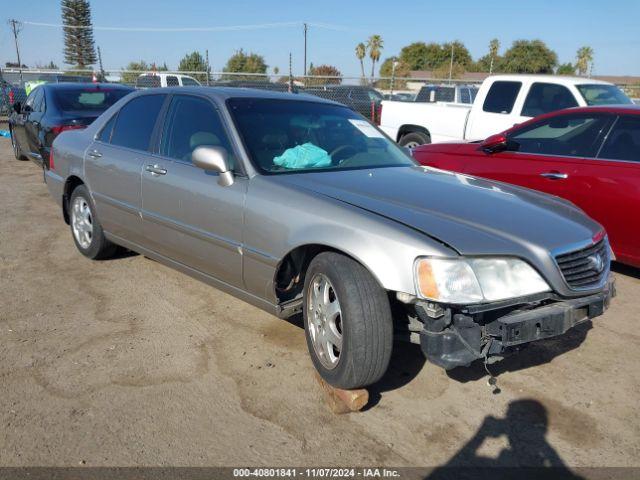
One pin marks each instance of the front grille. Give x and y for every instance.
(580, 267)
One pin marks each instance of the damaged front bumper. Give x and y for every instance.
(453, 338)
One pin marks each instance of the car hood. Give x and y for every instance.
(473, 216)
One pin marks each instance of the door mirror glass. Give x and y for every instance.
(215, 159)
(17, 107)
(495, 143)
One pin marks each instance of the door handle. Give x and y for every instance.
(555, 175)
(94, 153)
(156, 169)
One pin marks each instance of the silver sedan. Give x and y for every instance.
(299, 205)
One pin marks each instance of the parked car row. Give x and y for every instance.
(299, 205)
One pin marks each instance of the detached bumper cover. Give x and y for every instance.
(466, 338)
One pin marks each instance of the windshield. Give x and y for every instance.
(89, 99)
(603, 95)
(293, 136)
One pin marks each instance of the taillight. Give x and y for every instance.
(58, 129)
(379, 119)
(51, 164)
(12, 97)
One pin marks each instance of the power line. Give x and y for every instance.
(326, 26)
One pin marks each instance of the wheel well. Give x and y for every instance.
(404, 129)
(69, 186)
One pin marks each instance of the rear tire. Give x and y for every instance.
(17, 152)
(414, 139)
(350, 348)
(85, 227)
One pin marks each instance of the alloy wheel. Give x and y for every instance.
(324, 321)
(82, 222)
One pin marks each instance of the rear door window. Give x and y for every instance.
(136, 120)
(172, 81)
(105, 133)
(623, 142)
(148, 81)
(547, 97)
(501, 97)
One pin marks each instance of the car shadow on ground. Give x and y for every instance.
(528, 454)
(627, 270)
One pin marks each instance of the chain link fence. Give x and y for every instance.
(363, 95)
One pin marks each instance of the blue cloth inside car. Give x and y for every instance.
(303, 156)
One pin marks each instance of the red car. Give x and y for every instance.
(588, 155)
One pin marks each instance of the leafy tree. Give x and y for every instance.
(241, 62)
(48, 66)
(414, 56)
(386, 70)
(375, 44)
(429, 56)
(529, 56)
(584, 57)
(325, 71)
(361, 52)
(566, 69)
(461, 55)
(194, 62)
(136, 69)
(78, 33)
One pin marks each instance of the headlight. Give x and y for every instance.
(475, 280)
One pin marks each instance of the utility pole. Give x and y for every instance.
(103, 77)
(290, 74)
(305, 49)
(451, 64)
(206, 54)
(15, 26)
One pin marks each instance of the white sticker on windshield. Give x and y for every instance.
(366, 128)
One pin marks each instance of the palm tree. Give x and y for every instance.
(361, 52)
(494, 46)
(375, 46)
(583, 58)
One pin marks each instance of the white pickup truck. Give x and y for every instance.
(501, 102)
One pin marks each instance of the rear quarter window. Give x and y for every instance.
(501, 97)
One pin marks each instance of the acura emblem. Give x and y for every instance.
(596, 262)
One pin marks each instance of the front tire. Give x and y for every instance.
(86, 229)
(414, 139)
(347, 321)
(17, 152)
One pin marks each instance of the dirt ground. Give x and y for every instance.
(127, 362)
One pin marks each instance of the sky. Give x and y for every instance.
(610, 27)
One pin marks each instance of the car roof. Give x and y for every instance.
(83, 85)
(225, 93)
(561, 79)
(627, 108)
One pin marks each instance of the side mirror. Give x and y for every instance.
(17, 107)
(495, 143)
(215, 159)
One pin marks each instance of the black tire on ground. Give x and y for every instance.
(17, 152)
(414, 139)
(99, 247)
(365, 321)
